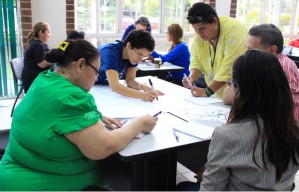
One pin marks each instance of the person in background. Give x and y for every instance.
(257, 150)
(141, 23)
(76, 35)
(268, 38)
(295, 42)
(216, 45)
(34, 61)
(178, 53)
(119, 61)
(56, 140)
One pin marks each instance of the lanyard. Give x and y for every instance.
(215, 48)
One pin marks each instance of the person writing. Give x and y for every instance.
(178, 53)
(217, 43)
(119, 61)
(268, 38)
(58, 133)
(257, 150)
(142, 23)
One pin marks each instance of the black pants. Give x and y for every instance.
(188, 186)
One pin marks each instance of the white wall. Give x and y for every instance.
(53, 12)
(223, 7)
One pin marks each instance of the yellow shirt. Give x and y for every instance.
(231, 44)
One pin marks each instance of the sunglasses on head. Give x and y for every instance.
(195, 19)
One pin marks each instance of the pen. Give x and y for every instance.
(157, 114)
(175, 135)
(152, 86)
(188, 80)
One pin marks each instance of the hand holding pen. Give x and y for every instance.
(186, 82)
(152, 86)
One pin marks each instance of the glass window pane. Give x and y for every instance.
(108, 16)
(84, 15)
(133, 9)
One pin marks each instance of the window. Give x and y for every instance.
(104, 21)
(282, 13)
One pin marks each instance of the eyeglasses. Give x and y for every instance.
(195, 19)
(97, 73)
(140, 56)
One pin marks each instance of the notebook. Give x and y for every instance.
(195, 129)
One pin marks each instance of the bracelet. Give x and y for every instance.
(209, 92)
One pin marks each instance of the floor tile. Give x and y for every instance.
(182, 169)
(190, 176)
(180, 178)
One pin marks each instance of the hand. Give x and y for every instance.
(159, 92)
(200, 172)
(198, 92)
(147, 122)
(148, 89)
(186, 83)
(149, 95)
(112, 123)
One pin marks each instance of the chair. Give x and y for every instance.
(17, 65)
(4, 137)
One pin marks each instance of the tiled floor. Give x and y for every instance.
(183, 174)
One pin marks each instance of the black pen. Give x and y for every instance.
(152, 86)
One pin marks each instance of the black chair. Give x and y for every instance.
(4, 137)
(17, 66)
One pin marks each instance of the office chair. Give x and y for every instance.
(4, 137)
(17, 65)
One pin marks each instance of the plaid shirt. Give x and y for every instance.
(291, 71)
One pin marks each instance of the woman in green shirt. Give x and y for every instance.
(57, 133)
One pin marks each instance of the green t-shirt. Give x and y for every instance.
(38, 156)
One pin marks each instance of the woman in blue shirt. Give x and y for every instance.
(178, 53)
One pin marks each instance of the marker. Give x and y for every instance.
(157, 114)
(175, 135)
(152, 86)
(188, 81)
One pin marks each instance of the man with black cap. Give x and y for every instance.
(218, 42)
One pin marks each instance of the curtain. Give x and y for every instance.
(8, 46)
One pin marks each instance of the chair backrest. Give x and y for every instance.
(17, 65)
(4, 137)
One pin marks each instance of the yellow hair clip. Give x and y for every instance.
(63, 45)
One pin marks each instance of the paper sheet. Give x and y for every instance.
(117, 106)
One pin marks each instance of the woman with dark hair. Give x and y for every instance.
(258, 148)
(178, 53)
(119, 61)
(58, 134)
(34, 61)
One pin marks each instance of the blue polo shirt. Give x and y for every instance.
(111, 58)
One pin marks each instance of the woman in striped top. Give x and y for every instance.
(258, 148)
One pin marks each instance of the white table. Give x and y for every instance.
(149, 163)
